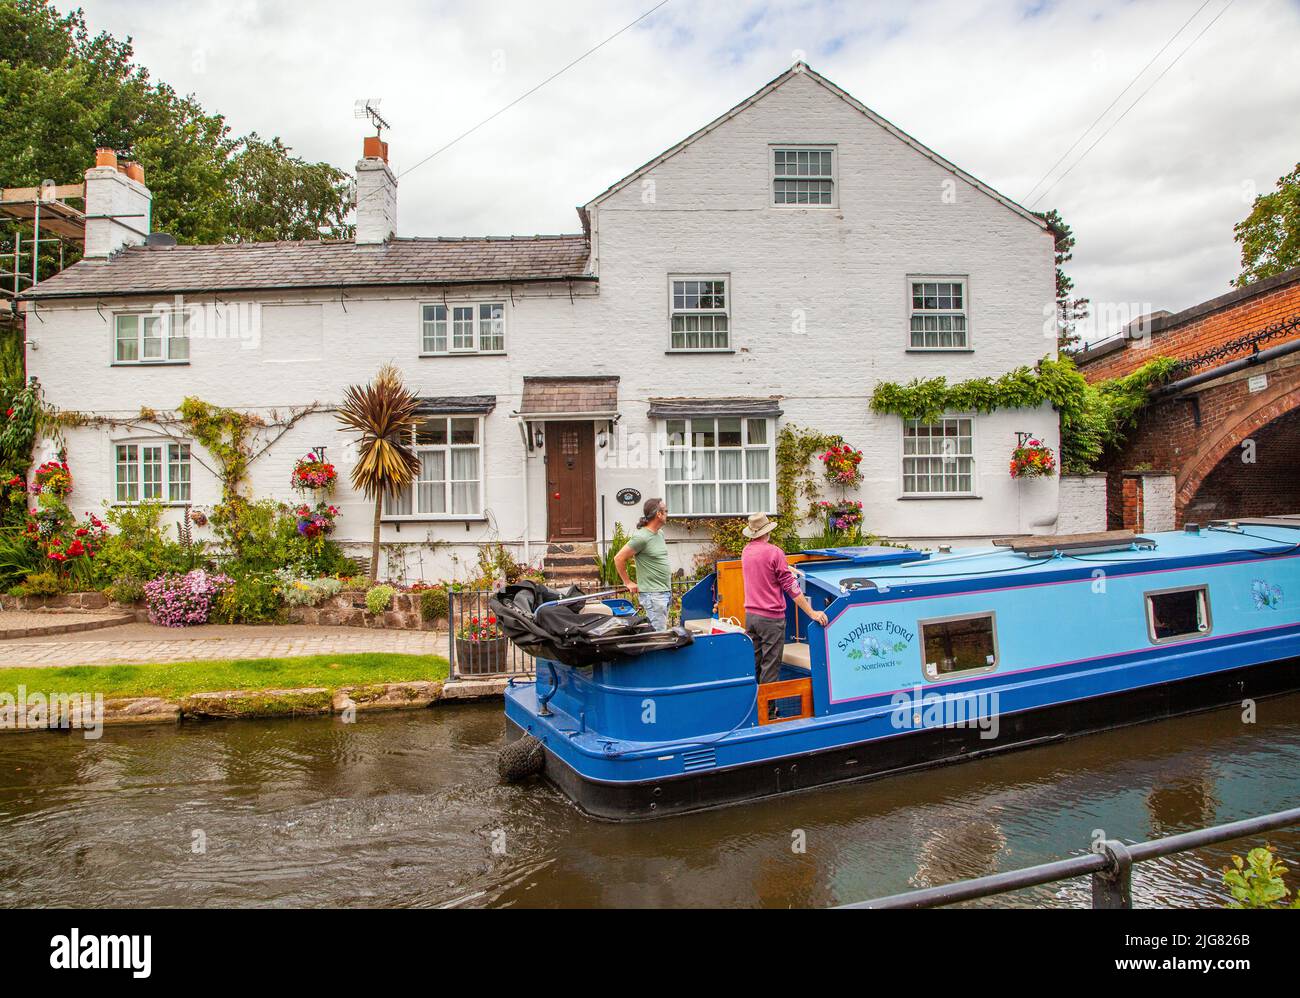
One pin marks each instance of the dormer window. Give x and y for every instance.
(803, 176)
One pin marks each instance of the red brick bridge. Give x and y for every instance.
(1227, 427)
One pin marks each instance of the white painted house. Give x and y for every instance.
(771, 268)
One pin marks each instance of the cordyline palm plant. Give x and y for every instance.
(383, 412)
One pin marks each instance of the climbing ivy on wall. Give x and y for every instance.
(224, 433)
(233, 439)
(796, 481)
(1093, 416)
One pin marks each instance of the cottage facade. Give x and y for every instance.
(769, 270)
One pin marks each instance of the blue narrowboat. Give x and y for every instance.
(927, 658)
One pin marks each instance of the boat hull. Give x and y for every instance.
(914, 749)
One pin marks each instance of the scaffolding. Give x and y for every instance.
(46, 210)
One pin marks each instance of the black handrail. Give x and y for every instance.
(1110, 864)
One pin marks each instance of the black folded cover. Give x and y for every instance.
(566, 634)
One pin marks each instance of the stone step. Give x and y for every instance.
(562, 548)
(583, 561)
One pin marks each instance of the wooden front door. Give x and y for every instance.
(570, 482)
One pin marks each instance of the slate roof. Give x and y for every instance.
(542, 396)
(232, 267)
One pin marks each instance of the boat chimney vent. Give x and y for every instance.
(1192, 528)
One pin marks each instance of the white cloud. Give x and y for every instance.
(997, 89)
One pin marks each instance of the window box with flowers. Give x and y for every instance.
(1032, 459)
(481, 647)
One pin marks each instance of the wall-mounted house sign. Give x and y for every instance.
(627, 497)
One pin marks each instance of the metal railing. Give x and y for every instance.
(476, 660)
(472, 660)
(1111, 867)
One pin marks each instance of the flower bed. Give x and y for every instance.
(183, 600)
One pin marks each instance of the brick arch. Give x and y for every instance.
(1224, 440)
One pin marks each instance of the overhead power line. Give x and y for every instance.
(528, 93)
(1082, 135)
(1135, 103)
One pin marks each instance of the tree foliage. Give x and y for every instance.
(1270, 234)
(65, 92)
(1070, 309)
(384, 414)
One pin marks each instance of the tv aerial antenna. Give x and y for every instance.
(369, 108)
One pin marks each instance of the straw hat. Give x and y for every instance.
(759, 525)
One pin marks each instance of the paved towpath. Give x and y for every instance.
(136, 643)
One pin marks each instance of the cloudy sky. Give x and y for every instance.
(1003, 89)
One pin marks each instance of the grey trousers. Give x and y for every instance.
(768, 635)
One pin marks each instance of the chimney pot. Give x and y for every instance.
(119, 206)
(376, 210)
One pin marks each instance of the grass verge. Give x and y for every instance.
(177, 679)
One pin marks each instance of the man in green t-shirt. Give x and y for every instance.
(654, 585)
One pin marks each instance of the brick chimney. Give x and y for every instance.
(118, 205)
(376, 194)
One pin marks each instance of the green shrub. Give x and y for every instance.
(261, 537)
(253, 599)
(140, 545)
(19, 556)
(1257, 881)
(306, 592)
(125, 589)
(45, 583)
(380, 598)
(434, 604)
(605, 569)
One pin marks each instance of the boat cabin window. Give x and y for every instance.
(1178, 613)
(951, 645)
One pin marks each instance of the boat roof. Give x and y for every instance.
(1264, 536)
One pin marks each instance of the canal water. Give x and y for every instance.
(405, 809)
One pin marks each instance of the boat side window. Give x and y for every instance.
(1178, 613)
(952, 645)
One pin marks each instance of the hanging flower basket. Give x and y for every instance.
(846, 514)
(312, 474)
(316, 522)
(1032, 459)
(841, 463)
(53, 478)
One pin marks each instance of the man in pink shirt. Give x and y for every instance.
(768, 580)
